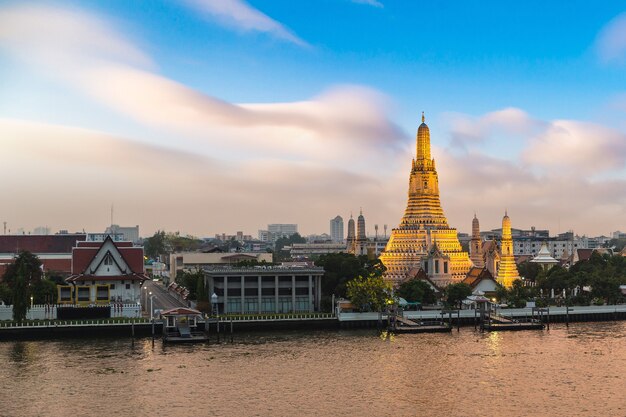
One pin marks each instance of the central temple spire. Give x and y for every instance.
(410, 245)
(423, 142)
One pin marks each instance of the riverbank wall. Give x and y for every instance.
(50, 330)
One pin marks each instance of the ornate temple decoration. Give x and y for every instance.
(423, 238)
(476, 245)
(507, 271)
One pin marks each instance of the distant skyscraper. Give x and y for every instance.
(276, 231)
(336, 229)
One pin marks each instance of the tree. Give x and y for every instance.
(286, 241)
(155, 245)
(20, 295)
(417, 290)
(370, 293)
(529, 270)
(30, 267)
(339, 268)
(202, 294)
(456, 293)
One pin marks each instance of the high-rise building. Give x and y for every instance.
(507, 271)
(336, 229)
(276, 231)
(424, 239)
(131, 234)
(476, 245)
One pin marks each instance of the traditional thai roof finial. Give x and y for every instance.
(423, 118)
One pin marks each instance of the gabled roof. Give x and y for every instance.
(87, 260)
(476, 275)
(181, 311)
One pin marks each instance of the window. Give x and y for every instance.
(112, 286)
(108, 259)
(267, 291)
(445, 267)
(128, 286)
(436, 266)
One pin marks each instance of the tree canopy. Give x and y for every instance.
(339, 268)
(454, 294)
(369, 293)
(417, 290)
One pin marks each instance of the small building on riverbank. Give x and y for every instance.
(265, 289)
(103, 273)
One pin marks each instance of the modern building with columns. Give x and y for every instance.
(270, 289)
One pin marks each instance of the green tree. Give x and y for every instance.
(27, 264)
(155, 245)
(202, 294)
(6, 294)
(370, 293)
(339, 268)
(456, 293)
(279, 254)
(417, 290)
(45, 291)
(529, 270)
(20, 295)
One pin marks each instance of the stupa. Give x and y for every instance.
(424, 227)
(507, 271)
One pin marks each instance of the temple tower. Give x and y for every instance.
(476, 245)
(360, 246)
(507, 271)
(351, 240)
(424, 223)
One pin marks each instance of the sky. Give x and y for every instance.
(215, 116)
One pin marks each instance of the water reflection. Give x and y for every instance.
(575, 371)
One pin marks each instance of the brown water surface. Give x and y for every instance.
(580, 371)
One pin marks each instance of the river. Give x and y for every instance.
(575, 371)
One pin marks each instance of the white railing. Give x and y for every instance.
(49, 311)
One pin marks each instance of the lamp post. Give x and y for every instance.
(216, 310)
(145, 298)
(152, 297)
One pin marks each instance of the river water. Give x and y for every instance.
(580, 371)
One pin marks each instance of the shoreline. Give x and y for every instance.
(344, 321)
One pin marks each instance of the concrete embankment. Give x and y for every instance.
(58, 331)
(471, 317)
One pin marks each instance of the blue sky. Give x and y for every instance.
(305, 110)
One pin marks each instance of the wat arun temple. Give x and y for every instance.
(424, 240)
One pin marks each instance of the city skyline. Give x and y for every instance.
(205, 116)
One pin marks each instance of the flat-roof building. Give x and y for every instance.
(271, 289)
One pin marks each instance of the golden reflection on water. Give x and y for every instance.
(493, 342)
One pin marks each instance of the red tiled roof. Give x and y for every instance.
(82, 257)
(181, 311)
(39, 243)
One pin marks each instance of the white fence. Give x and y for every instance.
(49, 312)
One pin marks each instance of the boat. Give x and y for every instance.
(183, 325)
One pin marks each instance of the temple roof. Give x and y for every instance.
(544, 257)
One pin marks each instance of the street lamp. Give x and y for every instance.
(214, 304)
(152, 297)
(145, 292)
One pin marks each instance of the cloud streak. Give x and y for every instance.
(90, 56)
(611, 41)
(239, 14)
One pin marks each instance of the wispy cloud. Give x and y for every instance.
(564, 173)
(374, 3)
(84, 52)
(611, 42)
(240, 15)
